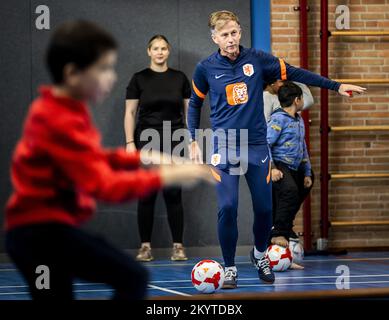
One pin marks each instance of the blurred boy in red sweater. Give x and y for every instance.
(59, 168)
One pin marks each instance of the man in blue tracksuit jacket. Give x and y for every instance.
(233, 77)
(291, 167)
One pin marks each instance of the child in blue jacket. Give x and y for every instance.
(291, 167)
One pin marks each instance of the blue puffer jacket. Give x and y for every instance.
(285, 136)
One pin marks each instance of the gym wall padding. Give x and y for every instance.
(132, 22)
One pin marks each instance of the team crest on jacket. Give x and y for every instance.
(237, 93)
(248, 69)
(215, 159)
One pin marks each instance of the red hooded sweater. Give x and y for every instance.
(59, 167)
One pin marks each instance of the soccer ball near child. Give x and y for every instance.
(280, 257)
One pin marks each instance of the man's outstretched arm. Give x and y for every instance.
(276, 68)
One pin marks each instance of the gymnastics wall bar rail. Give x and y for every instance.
(359, 223)
(324, 127)
(303, 18)
(359, 33)
(360, 128)
(338, 176)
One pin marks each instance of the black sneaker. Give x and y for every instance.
(265, 273)
(230, 280)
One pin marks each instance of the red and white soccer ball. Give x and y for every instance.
(297, 251)
(207, 276)
(280, 258)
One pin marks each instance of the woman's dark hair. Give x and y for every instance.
(79, 42)
(157, 37)
(288, 92)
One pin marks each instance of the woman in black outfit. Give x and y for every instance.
(157, 94)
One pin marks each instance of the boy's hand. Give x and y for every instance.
(195, 152)
(307, 182)
(296, 266)
(345, 89)
(130, 147)
(186, 175)
(276, 175)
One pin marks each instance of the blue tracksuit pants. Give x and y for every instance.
(256, 168)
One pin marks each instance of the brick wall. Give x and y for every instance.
(365, 152)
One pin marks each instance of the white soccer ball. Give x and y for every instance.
(297, 251)
(207, 276)
(280, 258)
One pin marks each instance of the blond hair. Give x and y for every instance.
(218, 19)
(158, 37)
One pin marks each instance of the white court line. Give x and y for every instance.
(12, 293)
(94, 290)
(240, 279)
(281, 278)
(105, 290)
(312, 284)
(169, 290)
(7, 270)
(75, 291)
(74, 284)
(248, 262)
(295, 284)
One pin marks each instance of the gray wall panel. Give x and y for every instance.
(132, 22)
(15, 86)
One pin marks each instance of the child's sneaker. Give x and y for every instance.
(265, 273)
(294, 237)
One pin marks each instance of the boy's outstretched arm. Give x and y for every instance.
(79, 156)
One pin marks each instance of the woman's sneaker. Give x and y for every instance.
(230, 279)
(144, 254)
(265, 273)
(178, 253)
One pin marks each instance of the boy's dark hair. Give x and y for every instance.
(269, 82)
(79, 42)
(288, 93)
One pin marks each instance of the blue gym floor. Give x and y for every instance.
(367, 270)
